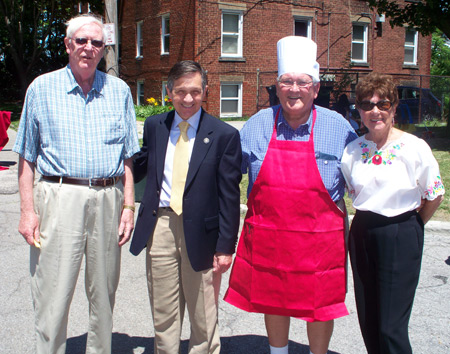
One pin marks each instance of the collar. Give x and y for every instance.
(73, 84)
(193, 121)
(304, 129)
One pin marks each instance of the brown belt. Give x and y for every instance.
(95, 182)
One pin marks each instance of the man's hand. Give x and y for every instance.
(126, 226)
(221, 262)
(29, 228)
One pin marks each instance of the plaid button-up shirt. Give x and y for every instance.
(331, 134)
(68, 134)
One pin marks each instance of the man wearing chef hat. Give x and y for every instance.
(291, 255)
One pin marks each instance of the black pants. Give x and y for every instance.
(386, 254)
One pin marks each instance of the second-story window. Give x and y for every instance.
(302, 27)
(411, 39)
(359, 43)
(165, 34)
(231, 34)
(139, 40)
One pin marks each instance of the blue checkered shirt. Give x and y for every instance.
(331, 134)
(67, 134)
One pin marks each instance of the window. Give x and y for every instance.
(165, 34)
(140, 93)
(231, 34)
(139, 40)
(231, 99)
(302, 27)
(411, 37)
(163, 92)
(359, 43)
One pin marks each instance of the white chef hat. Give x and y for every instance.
(297, 54)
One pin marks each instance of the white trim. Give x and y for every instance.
(412, 46)
(234, 35)
(237, 98)
(139, 40)
(359, 42)
(308, 21)
(165, 33)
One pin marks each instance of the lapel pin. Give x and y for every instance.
(206, 140)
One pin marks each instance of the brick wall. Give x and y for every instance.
(195, 33)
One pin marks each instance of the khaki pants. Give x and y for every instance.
(173, 284)
(75, 221)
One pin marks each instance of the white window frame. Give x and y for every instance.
(163, 92)
(413, 46)
(364, 42)
(238, 98)
(308, 21)
(165, 33)
(139, 40)
(238, 35)
(140, 92)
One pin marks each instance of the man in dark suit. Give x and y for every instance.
(189, 214)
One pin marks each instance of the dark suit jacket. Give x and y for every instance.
(211, 201)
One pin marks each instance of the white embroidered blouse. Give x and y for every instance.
(394, 179)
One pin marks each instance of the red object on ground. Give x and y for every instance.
(5, 121)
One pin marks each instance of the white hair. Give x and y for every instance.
(74, 24)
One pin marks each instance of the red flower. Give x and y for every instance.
(377, 160)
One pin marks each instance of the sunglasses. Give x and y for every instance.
(381, 105)
(94, 42)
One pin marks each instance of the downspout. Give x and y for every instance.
(328, 44)
(257, 89)
(315, 27)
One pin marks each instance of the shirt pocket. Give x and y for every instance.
(113, 128)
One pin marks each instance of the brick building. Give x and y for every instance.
(235, 41)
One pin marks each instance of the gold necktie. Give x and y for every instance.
(180, 169)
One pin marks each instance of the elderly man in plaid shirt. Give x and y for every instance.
(78, 129)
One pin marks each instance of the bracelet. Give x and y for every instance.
(131, 207)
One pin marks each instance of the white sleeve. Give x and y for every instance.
(427, 172)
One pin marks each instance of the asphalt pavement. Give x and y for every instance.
(241, 332)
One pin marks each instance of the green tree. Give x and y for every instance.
(440, 54)
(425, 15)
(31, 40)
(440, 67)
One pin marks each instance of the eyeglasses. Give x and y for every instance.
(381, 105)
(300, 84)
(95, 42)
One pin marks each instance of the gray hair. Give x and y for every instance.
(183, 68)
(74, 24)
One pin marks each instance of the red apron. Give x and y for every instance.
(290, 259)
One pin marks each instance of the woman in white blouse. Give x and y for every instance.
(396, 187)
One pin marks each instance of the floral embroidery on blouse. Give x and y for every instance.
(436, 188)
(378, 157)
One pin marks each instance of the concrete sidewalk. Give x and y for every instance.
(241, 332)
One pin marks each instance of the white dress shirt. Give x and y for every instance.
(166, 186)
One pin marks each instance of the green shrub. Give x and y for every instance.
(152, 108)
